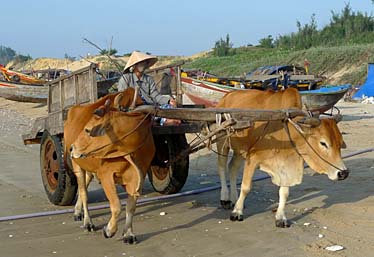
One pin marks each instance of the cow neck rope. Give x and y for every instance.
(249, 147)
(124, 136)
(301, 134)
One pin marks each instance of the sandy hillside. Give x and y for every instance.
(104, 62)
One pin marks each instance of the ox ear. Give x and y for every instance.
(100, 112)
(117, 101)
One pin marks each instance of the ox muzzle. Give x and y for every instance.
(343, 174)
(75, 155)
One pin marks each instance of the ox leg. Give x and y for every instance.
(81, 179)
(234, 167)
(249, 169)
(107, 181)
(128, 235)
(78, 208)
(133, 189)
(280, 217)
(222, 170)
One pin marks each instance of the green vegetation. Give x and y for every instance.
(223, 47)
(70, 58)
(108, 52)
(347, 27)
(345, 45)
(7, 54)
(324, 61)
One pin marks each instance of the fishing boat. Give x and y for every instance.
(324, 98)
(23, 92)
(18, 77)
(266, 77)
(208, 94)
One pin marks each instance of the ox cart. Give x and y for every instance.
(169, 169)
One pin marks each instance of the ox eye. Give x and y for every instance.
(323, 144)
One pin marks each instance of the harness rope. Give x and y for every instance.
(299, 130)
(123, 137)
(302, 135)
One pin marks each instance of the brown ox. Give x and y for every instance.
(278, 148)
(115, 145)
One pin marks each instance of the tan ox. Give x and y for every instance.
(278, 148)
(115, 145)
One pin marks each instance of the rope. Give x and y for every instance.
(311, 147)
(123, 137)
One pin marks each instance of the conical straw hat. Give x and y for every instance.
(137, 57)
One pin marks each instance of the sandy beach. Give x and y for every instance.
(323, 213)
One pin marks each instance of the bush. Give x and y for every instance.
(266, 42)
(223, 47)
(108, 52)
(6, 55)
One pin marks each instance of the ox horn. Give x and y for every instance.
(310, 121)
(338, 117)
(117, 101)
(107, 105)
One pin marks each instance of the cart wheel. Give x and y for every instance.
(168, 172)
(59, 182)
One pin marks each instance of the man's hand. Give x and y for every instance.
(171, 122)
(172, 102)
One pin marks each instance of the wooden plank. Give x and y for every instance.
(261, 77)
(40, 124)
(177, 129)
(85, 69)
(55, 123)
(179, 92)
(198, 114)
(177, 64)
(302, 77)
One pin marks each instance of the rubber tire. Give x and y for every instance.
(65, 190)
(168, 147)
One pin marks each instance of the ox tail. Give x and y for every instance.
(138, 173)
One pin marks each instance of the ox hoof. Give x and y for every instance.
(106, 233)
(236, 217)
(78, 217)
(227, 205)
(89, 227)
(130, 240)
(282, 224)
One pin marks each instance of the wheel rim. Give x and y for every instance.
(51, 165)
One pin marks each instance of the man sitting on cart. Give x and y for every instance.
(134, 76)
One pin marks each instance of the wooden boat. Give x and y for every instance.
(323, 99)
(208, 94)
(39, 93)
(266, 77)
(23, 93)
(18, 77)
